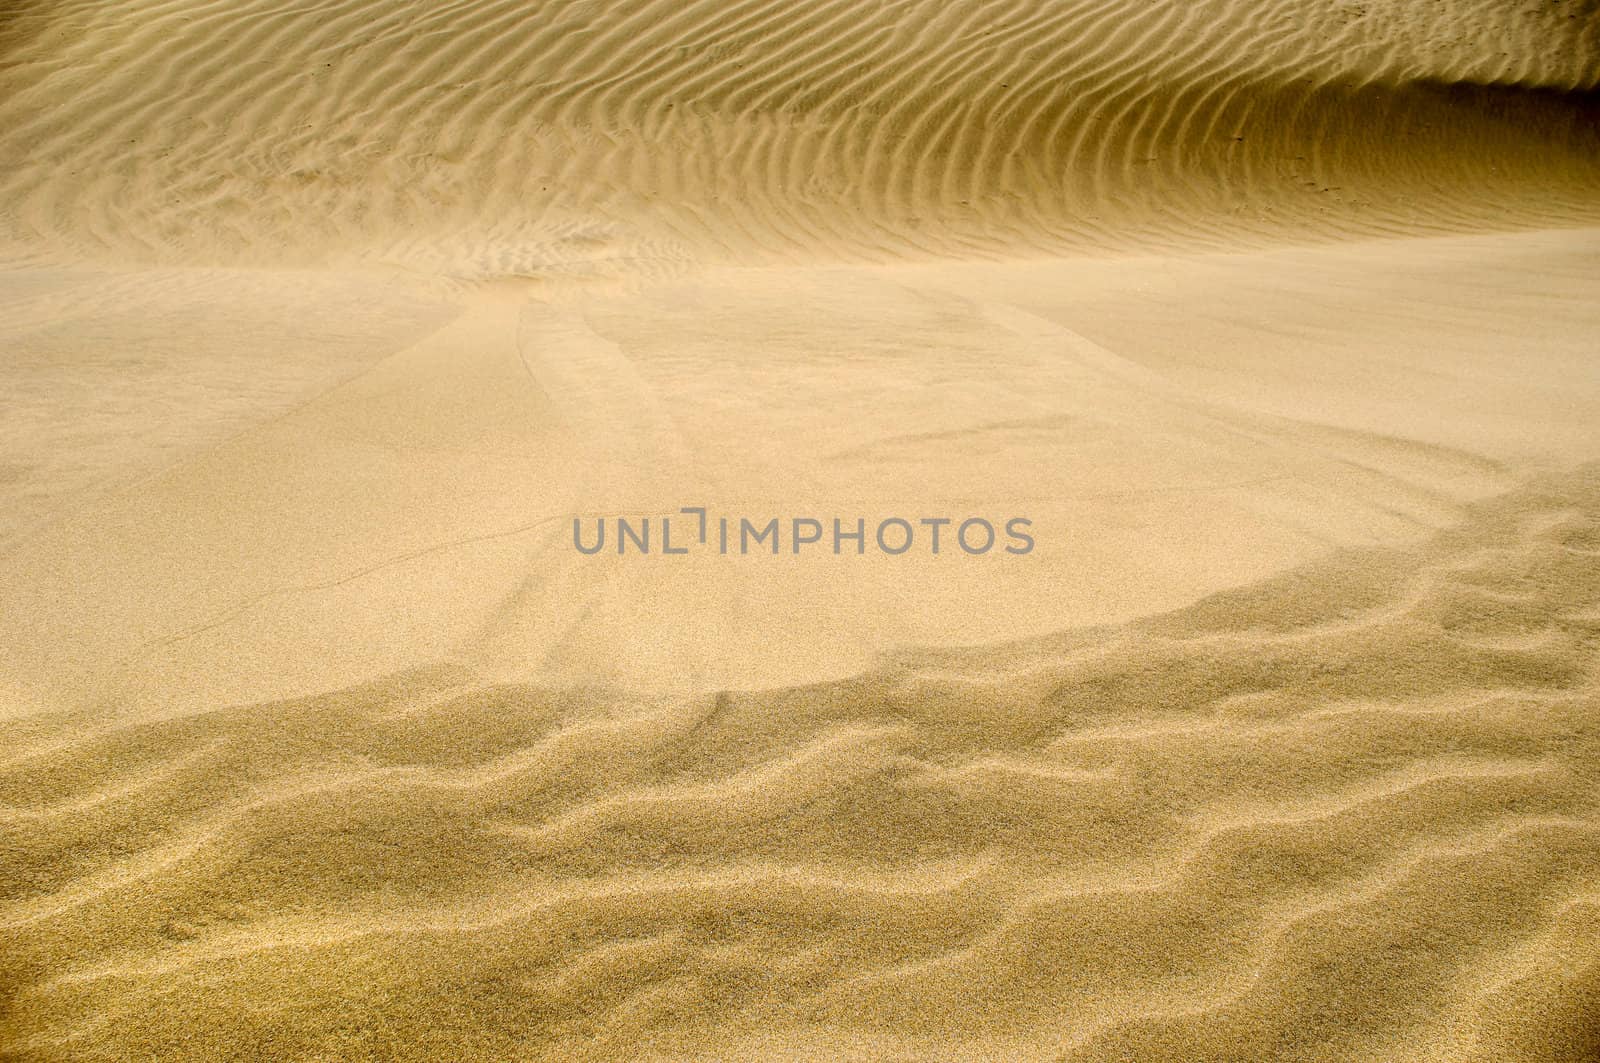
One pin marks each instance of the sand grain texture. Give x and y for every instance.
(321, 320)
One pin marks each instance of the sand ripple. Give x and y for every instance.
(1348, 813)
(491, 138)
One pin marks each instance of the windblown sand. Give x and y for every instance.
(320, 320)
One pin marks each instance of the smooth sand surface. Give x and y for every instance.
(321, 321)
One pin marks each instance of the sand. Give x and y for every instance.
(322, 321)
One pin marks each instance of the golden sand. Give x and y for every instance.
(321, 320)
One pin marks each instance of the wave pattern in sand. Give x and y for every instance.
(1348, 813)
(500, 138)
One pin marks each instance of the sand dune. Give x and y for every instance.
(1346, 813)
(492, 139)
(321, 321)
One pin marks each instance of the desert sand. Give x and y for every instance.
(322, 321)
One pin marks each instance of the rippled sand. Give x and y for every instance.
(321, 321)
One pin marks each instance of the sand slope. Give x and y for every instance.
(320, 744)
(320, 320)
(1346, 813)
(491, 137)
